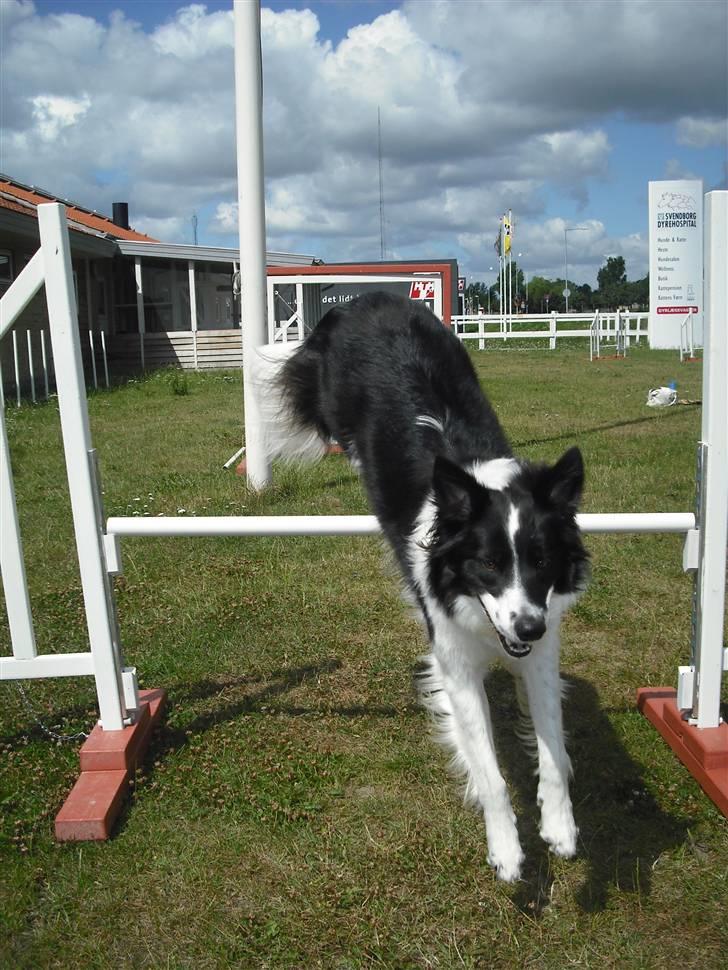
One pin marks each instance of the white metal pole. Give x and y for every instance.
(714, 514)
(193, 306)
(350, 525)
(141, 323)
(503, 295)
(44, 358)
(93, 359)
(31, 369)
(251, 219)
(510, 270)
(510, 292)
(80, 464)
(300, 311)
(16, 365)
(89, 300)
(500, 293)
(103, 353)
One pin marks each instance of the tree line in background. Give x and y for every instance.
(537, 294)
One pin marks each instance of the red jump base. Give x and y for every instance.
(703, 751)
(108, 761)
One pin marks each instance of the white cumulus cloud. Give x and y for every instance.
(484, 106)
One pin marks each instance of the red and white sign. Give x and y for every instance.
(678, 309)
(422, 290)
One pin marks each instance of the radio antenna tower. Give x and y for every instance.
(381, 186)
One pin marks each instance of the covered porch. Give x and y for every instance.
(179, 305)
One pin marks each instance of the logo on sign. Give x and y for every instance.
(676, 210)
(422, 290)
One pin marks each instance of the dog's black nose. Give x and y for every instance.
(530, 628)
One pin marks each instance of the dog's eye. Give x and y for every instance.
(490, 565)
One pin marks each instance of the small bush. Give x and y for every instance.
(178, 383)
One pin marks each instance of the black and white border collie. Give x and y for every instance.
(487, 543)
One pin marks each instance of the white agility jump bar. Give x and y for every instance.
(359, 525)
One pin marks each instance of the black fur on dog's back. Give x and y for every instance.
(365, 376)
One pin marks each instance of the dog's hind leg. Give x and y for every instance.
(454, 691)
(543, 689)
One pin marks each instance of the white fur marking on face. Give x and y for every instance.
(513, 602)
(513, 523)
(496, 474)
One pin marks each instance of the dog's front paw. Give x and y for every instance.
(507, 870)
(507, 865)
(560, 834)
(504, 852)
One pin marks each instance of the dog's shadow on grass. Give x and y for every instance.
(622, 829)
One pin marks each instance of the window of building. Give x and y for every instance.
(217, 307)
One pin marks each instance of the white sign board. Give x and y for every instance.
(676, 260)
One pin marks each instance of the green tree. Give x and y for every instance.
(476, 297)
(612, 287)
(543, 295)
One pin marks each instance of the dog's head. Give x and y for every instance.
(507, 538)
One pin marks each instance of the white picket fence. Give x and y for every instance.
(33, 370)
(611, 327)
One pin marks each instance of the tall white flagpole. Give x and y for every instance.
(502, 267)
(251, 220)
(510, 270)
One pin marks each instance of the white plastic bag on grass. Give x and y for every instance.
(661, 397)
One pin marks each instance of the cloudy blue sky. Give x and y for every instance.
(561, 111)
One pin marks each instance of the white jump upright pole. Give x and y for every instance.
(251, 219)
(80, 466)
(713, 517)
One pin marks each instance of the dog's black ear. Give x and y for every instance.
(565, 481)
(457, 494)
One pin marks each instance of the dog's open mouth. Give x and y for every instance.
(512, 648)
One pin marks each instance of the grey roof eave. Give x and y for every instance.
(212, 254)
(83, 243)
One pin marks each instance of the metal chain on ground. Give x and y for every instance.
(49, 733)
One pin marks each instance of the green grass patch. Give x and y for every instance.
(293, 811)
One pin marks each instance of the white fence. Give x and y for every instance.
(32, 365)
(553, 327)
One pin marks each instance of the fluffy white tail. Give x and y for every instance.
(282, 434)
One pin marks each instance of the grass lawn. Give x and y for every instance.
(293, 811)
